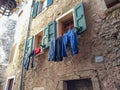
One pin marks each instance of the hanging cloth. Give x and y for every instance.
(37, 50)
(72, 38)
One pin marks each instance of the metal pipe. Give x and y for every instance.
(25, 46)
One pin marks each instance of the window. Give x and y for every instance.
(65, 23)
(68, 24)
(38, 41)
(10, 83)
(73, 18)
(12, 53)
(110, 3)
(39, 6)
(44, 4)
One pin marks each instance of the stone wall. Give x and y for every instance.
(49, 74)
(14, 68)
(6, 38)
(110, 39)
(101, 39)
(2, 75)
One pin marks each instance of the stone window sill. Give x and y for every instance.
(41, 53)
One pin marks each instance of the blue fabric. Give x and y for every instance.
(27, 61)
(72, 38)
(32, 54)
(26, 64)
(55, 52)
(51, 56)
(58, 49)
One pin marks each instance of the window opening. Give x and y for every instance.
(68, 24)
(65, 23)
(38, 41)
(44, 4)
(10, 84)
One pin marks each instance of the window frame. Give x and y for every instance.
(7, 83)
(44, 3)
(35, 40)
(71, 11)
(79, 20)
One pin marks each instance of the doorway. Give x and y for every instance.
(10, 83)
(82, 84)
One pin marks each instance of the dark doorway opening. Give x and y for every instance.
(82, 84)
(10, 83)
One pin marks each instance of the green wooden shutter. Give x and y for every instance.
(45, 32)
(35, 9)
(79, 18)
(49, 2)
(51, 30)
(45, 38)
(30, 44)
(49, 34)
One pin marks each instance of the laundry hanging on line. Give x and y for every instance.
(28, 56)
(55, 51)
(58, 46)
(27, 61)
(37, 50)
(72, 38)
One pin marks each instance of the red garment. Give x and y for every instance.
(37, 50)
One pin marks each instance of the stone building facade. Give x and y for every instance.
(95, 67)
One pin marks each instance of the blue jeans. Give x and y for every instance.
(27, 62)
(72, 38)
(51, 56)
(58, 49)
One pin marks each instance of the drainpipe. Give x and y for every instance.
(25, 46)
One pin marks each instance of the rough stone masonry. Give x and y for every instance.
(102, 38)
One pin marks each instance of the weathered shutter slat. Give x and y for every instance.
(35, 9)
(45, 38)
(49, 34)
(52, 30)
(79, 18)
(30, 44)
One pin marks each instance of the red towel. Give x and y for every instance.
(37, 50)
